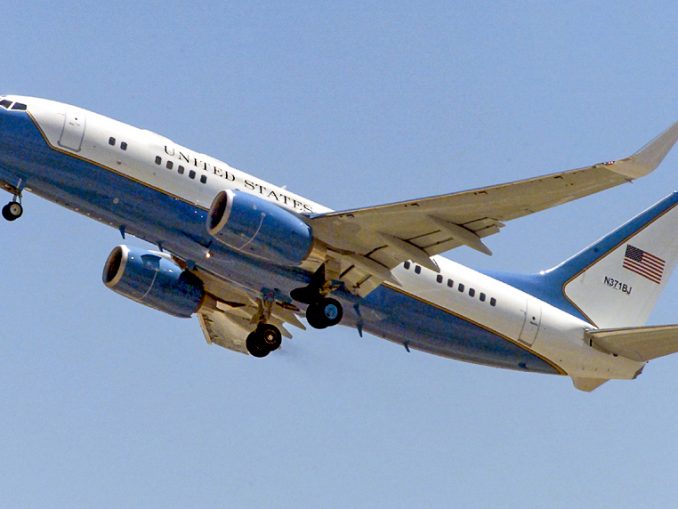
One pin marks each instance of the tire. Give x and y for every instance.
(12, 211)
(255, 345)
(332, 312)
(314, 316)
(324, 313)
(270, 336)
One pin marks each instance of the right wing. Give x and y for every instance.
(368, 242)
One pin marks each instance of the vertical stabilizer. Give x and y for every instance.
(616, 281)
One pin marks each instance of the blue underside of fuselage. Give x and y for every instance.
(179, 227)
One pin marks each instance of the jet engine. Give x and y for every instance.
(252, 225)
(153, 279)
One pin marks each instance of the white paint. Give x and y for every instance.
(610, 307)
(538, 326)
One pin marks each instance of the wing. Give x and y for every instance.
(367, 242)
(229, 313)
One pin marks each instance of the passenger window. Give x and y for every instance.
(181, 170)
(407, 265)
(111, 141)
(460, 287)
(417, 269)
(123, 145)
(471, 292)
(439, 278)
(169, 165)
(450, 283)
(158, 159)
(493, 301)
(191, 174)
(203, 179)
(19, 106)
(482, 297)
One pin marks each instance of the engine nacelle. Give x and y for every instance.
(150, 278)
(254, 226)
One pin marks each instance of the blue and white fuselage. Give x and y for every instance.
(147, 186)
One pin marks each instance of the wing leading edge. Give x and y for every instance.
(368, 242)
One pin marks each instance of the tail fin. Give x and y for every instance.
(616, 281)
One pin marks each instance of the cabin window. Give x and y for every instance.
(493, 301)
(460, 287)
(450, 283)
(417, 269)
(203, 179)
(407, 265)
(111, 141)
(158, 159)
(482, 297)
(191, 174)
(471, 292)
(123, 145)
(169, 165)
(181, 170)
(439, 278)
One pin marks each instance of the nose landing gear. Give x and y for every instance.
(12, 211)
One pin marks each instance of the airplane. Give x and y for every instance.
(250, 258)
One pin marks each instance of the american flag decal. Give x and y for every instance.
(641, 262)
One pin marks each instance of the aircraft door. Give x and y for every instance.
(74, 130)
(532, 321)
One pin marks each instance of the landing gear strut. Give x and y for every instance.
(12, 211)
(263, 340)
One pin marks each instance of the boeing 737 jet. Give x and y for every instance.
(250, 258)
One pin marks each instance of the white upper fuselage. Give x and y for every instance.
(154, 161)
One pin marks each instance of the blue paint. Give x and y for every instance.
(181, 228)
(260, 228)
(548, 285)
(154, 281)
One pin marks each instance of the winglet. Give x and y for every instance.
(647, 158)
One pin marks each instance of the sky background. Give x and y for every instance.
(106, 404)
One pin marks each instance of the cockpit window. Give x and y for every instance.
(5, 103)
(19, 106)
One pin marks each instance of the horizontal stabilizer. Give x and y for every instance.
(640, 344)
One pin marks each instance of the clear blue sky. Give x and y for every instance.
(105, 403)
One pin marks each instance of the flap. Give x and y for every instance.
(230, 313)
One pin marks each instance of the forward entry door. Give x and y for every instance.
(74, 130)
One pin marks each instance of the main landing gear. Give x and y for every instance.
(323, 313)
(263, 340)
